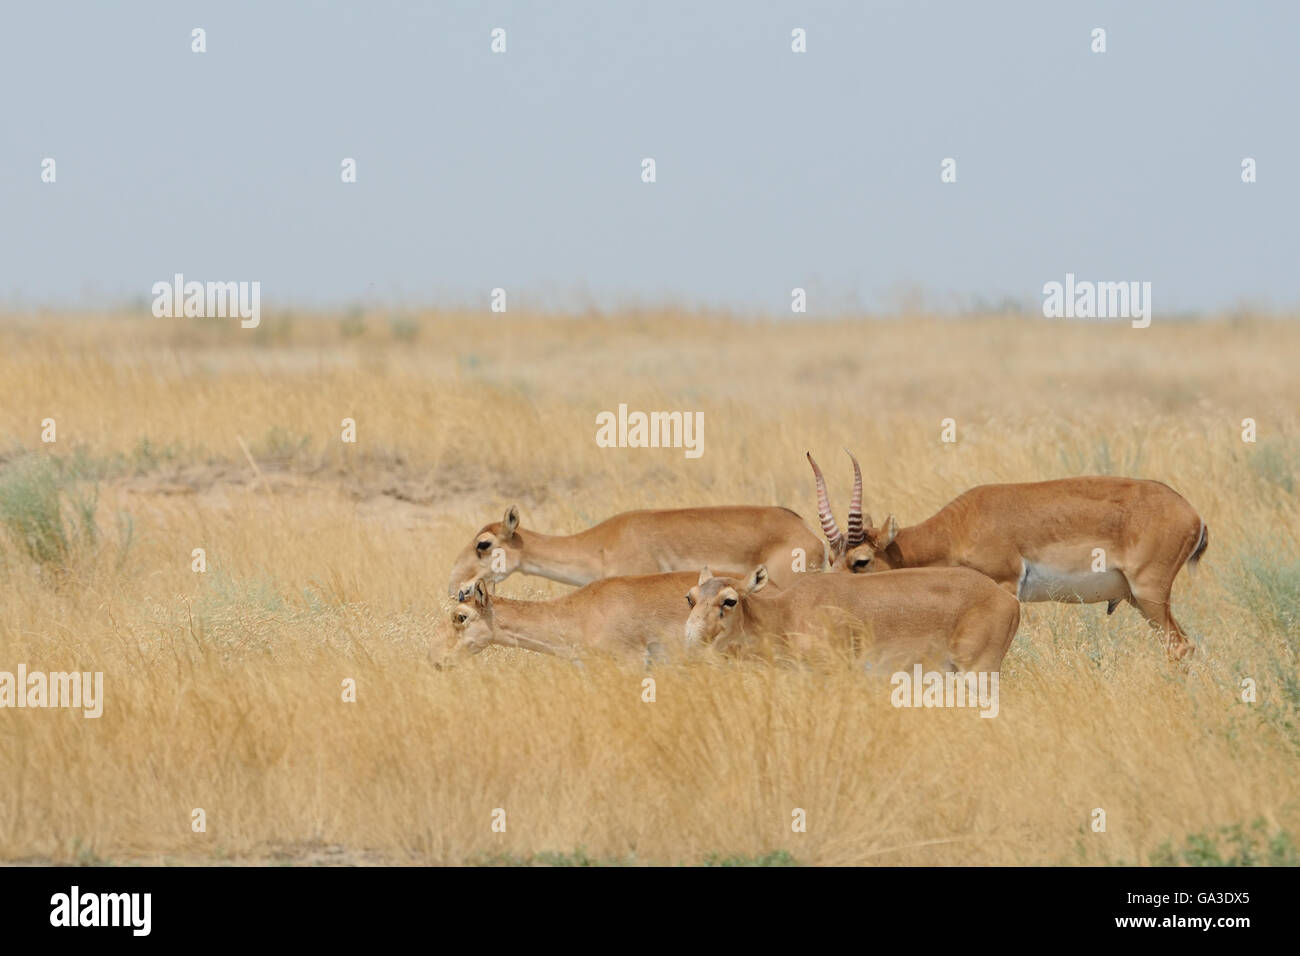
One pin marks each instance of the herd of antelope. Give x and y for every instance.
(946, 590)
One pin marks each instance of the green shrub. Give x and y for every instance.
(1266, 582)
(775, 858)
(1233, 845)
(43, 511)
(1275, 462)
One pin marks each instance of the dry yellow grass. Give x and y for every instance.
(328, 561)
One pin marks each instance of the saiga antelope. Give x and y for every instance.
(644, 542)
(639, 616)
(954, 615)
(1042, 541)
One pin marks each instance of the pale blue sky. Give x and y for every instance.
(775, 169)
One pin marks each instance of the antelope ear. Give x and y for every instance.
(757, 579)
(889, 532)
(466, 591)
(705, 574)
(510, 522)
(481, 596)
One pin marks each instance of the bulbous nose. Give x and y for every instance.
(694, 634)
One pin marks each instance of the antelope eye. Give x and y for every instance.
(483, 546)
(461, 617)
(861, 563)
(690, 600)
(729, 602)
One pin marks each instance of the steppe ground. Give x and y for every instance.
(327, 561)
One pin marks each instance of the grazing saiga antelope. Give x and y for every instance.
(644, 542)
(639, 615)
(1075, 540)
(953, 616)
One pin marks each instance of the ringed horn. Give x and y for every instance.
(857, 522)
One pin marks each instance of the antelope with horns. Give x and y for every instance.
(638, 616)
(645, 542)
(1075, 540)
(952, 616)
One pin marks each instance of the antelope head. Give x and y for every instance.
(862, 548)
(717, 611)
(471, 621)
(495, 553)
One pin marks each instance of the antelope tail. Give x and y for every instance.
(1201, 545)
